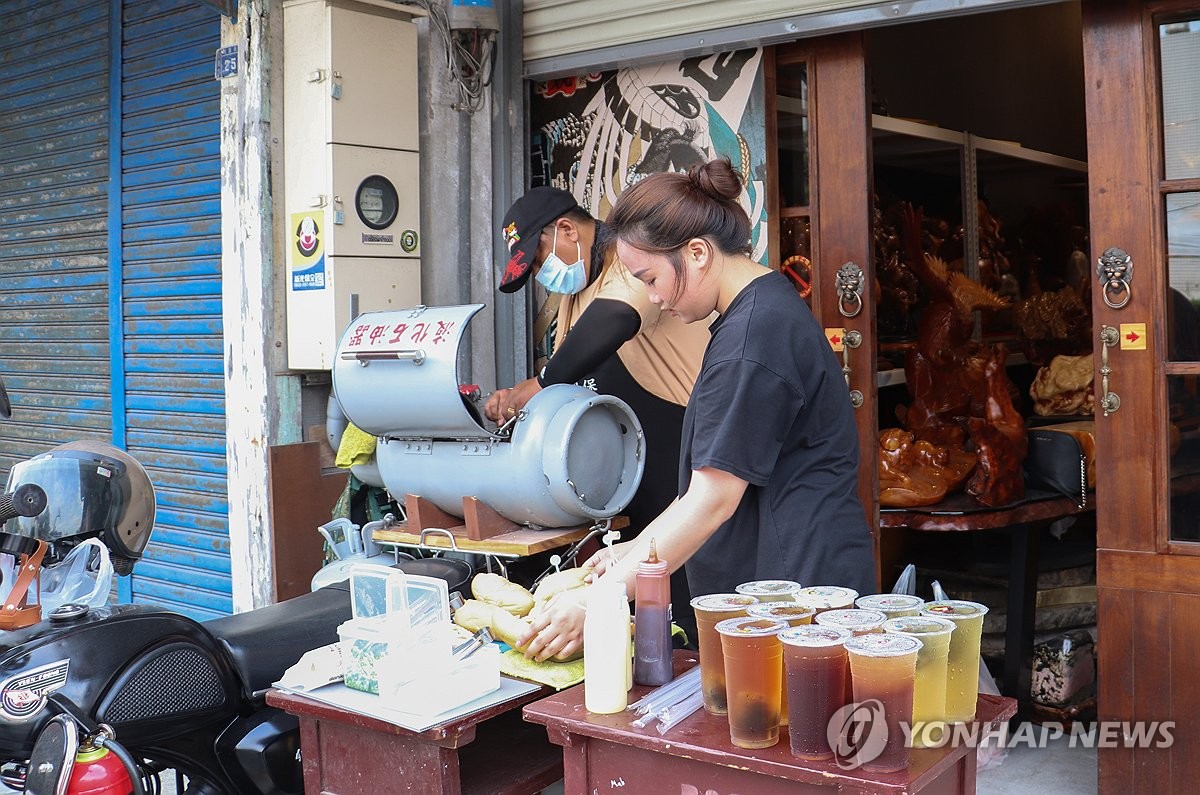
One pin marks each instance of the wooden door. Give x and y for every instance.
(817, 92)
(1142, 63)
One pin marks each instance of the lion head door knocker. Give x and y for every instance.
(849, 287)
(1115, 271)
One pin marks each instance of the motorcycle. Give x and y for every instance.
(176, 693)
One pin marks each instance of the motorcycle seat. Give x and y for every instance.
(264, 643)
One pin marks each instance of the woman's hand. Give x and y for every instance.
(558, 629)
(605, 558)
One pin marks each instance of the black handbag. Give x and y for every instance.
(1057, 461)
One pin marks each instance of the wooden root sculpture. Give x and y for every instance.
(1000, 440)
(913, 473)
(959, 387)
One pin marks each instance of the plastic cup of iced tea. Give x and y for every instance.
(882, 667)
(962, 677)
(859, 622)
(893, 605)
(792, 614)
(816, 673)
(826, 597)
(753, 679)
(769, 590)
(929, 688)
(710, 610)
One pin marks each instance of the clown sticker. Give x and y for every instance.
(306, 254)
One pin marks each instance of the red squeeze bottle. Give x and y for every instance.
(652, 663)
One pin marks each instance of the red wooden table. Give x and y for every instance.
(491, 751)
(603, 753)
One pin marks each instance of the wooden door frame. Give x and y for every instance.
(1148, 588)
(840, 214)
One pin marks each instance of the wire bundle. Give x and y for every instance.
(470, 55)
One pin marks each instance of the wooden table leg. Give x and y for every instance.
(1024, 544)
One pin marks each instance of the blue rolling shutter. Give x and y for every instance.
(54, 332)
(171, 299)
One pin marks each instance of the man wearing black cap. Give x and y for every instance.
(610, 337)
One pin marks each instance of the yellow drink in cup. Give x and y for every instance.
(894, 605)
(710, 610)
(929, 689)
(962, 680)
(769, 590)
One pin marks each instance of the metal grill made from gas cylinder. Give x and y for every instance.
(571, 456)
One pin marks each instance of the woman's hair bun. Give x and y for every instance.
(717, 179)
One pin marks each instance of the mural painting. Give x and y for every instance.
(597, 134)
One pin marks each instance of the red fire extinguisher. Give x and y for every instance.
(98, 771)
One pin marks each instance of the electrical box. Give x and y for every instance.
(351, 169)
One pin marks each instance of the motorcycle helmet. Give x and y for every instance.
(93, 490)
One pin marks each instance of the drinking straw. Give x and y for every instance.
(662, 696)
(669, 716)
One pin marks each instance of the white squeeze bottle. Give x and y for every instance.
(606, 648)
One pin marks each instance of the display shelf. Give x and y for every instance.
(935, 167)
(1015, 151)
(902, 143)
(915, 138)
(915, 129)
(896, 377)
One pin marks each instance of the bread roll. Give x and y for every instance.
(475, 614)
(496, 590)
(560, 581)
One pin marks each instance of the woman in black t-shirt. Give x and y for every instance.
(769, 464)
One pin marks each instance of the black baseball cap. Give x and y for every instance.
(523, 225)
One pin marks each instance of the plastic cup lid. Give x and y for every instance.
(782, 611)
(748, 626)
(814, 636)
(851, 619)
(954, 609)
(881, 644)
(824, 596)
(722, 602)
(888, 601)
(919, 625)
(769, 587)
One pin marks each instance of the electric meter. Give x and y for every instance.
(376, 202)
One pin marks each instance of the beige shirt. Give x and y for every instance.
(664, 356)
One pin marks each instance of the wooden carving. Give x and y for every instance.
(999, 438)
(961, 394)
(913, 473)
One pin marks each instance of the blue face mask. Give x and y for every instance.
(559, 277)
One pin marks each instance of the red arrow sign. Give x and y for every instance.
(1132, 336)
(835, 339)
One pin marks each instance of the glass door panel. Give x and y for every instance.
(792, 118)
